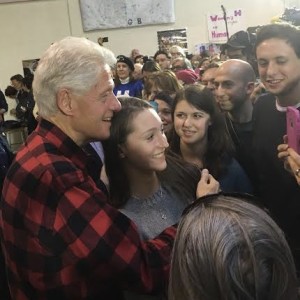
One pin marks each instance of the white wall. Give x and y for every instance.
(28, 28)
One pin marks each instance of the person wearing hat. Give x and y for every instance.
(125, 84)
(187, 76)
(239, 45)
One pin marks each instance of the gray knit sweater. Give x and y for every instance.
(154, 214)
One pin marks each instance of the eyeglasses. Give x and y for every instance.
(206, 200)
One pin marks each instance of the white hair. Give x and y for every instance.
(73, 63)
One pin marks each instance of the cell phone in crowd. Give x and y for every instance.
(293, 128)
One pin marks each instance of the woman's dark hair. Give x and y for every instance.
(17, 77)
(27, 81)
(151, 66)
(179, 176)
(10, 91)
(162, 52)
(219, 147)
(166, 97)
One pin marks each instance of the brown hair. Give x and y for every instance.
(179, 176)
(226, 248)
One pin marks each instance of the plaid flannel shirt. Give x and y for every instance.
(60, 238)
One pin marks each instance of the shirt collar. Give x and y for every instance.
(62, 142)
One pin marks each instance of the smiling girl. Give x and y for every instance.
(200, 137)
(144, 183)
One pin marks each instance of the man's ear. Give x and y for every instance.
(65, 102)
(250, 87)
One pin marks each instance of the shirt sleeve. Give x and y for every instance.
(97, 239)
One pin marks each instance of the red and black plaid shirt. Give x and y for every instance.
(60, 238)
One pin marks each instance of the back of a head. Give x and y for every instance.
(10, 91)
(286, 32)
(72, 63)
(165, 80)
(151, 66)
(227, 248)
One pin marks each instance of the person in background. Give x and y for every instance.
(278, 57)
(60, 237)
(3, 109)
(163, 59)
(150, 67)
(181, 63)
(137, 73)
(208, 76)
(17, 82)
(163, 81)
(187, 76)
(203, 65)
(241, 46)
(195, 59)
(134, 53)
(176, 51)
(24, 98)
(164, 109)
(199, 135)
(125, 84)
(139, 59)
(226, 247)
(29, 118)
(234, 85)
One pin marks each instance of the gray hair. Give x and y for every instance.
(228, 248)
(72, 63)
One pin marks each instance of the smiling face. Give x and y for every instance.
(163, 61)
(123, 71)
(232, 88)
(208, 78)
(279, 67)
(190, 123)
(144, 148)
(164, 112)
(93, 110)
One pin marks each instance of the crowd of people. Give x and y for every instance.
(164, 177)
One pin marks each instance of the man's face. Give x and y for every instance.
(16, 84)
(208, 78)
(94, 110)
(123, 70)
(278, 67)
(177, 65)
(163, 61)
(234, 53)
(175, 54)
(137, 73)
(231, 88)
